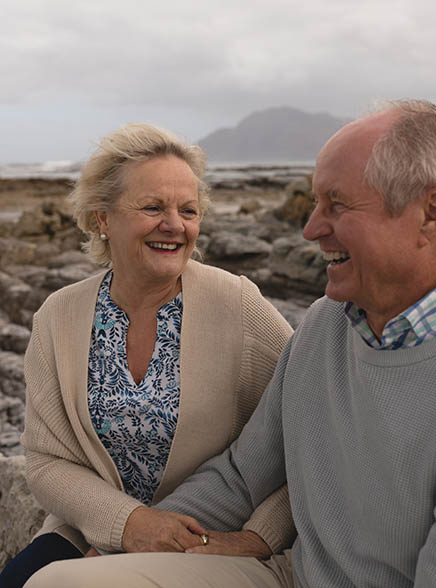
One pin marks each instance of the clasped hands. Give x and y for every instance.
(148, 529)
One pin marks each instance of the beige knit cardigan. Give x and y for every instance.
(230, 341)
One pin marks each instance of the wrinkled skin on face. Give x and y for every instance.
(382, 263)
(153, 228)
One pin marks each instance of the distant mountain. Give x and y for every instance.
(272, 135)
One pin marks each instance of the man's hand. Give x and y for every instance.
(149, 529)
(239, 543)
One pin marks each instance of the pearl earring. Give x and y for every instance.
(103, 236)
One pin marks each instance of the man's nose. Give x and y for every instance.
(317, 226)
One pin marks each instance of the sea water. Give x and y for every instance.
(238, 172)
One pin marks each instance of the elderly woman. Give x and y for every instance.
(139, 374)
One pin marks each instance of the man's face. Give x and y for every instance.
(372, 255)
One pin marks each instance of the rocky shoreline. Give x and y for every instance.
(252, 229)
(254, 232)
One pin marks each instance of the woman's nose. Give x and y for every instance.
(172, 222)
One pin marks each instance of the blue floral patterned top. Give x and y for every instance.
(136, 423)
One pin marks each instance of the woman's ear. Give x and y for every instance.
(101, 218)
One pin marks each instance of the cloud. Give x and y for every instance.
(198, 61)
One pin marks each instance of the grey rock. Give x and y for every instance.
(44, 219)
(11, 425)
(226, 244)
(33, 275)
(203, 244)
(46, 250)
(20, 515)
(70, 238)
(13, 295)
(14, 337)
(58, 278)
(25, 318)
(4, 317)
(10, 440)
(7, 225)
(283, 245)
(11, 410)
(298, 265)
(69, 258)
(236, 226)
(250, 206)
(12, 375)
(292, 310)
(16, 251)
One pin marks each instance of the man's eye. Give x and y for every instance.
(313, 199)
(335, 206)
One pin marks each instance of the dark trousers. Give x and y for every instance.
(42, 551)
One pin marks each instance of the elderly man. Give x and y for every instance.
(349, 419)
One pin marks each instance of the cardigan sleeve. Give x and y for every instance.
(58, 472)
(266, 333)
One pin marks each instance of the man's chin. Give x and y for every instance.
(335, 293)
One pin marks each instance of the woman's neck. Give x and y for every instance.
(135, 296)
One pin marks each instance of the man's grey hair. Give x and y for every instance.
(103, 177)
(402, 164)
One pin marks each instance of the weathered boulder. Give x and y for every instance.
(294, 311)
(10, 440)
(17, 251)
(13, 337)
(20, 515)
(13, 295)
(298, 204)
(47, 218)
(250, 206)
(64, 276)
(297, 265)
(12, 374)
(70, 257)
(225, 244)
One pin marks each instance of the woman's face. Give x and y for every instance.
(154, 226)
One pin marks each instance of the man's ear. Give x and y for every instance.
(431, 206)
(428, 229)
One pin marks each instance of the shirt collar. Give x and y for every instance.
(410, 328)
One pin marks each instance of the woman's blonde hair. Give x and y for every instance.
(103, 180)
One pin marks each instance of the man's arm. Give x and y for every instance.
(225, 490)
(426, 567)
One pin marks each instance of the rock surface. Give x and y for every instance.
(20, 515)
(40, 252)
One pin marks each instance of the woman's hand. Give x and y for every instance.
(239, 543)
(92, 552)
(149, 529)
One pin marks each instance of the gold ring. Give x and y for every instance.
(204, 538)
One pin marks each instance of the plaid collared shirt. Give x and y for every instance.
(408, 329)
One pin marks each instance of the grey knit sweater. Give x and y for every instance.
(354, 432)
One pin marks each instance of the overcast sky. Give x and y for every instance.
(72, 71)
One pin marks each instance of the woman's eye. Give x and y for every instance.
(189, 212)
(151, 209)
